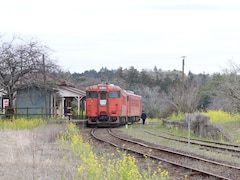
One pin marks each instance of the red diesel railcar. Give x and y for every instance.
(107, 104)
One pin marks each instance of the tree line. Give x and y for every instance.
(166, 92)
(163, 92)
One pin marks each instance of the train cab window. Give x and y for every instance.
(103, 95)
(91, 94)
(114, 94)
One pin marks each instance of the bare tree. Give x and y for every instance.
(19, 58)
(183, 99)
(152, 101)
(230, 86)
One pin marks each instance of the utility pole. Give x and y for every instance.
(183, 63)
(45, 86)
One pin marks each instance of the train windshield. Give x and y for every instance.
(114, 94)
(91, 94)
(103, 95)
(103, 98)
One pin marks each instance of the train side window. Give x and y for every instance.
(103, 95)
(114, 94)
(91, 94)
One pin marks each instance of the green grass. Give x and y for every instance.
(178, 116)
(233, 128)
(138, 131)
(229, 121)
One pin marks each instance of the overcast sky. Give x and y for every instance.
(90, 34)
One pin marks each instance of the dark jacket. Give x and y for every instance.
(144, 115)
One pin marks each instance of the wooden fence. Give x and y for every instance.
(40, 112)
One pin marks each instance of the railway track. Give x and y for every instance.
(200, 166)
(204, 140)
(234, 148)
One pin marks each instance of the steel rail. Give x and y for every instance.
(155, 157)
(197, 143)
(175, 152)
(207, 141)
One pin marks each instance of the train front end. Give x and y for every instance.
(105, 105)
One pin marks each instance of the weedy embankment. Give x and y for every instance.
(33, 149)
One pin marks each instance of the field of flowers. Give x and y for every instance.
(119, 165)
(21, 123)
(75, 158)
(215, 116)
(219, 116)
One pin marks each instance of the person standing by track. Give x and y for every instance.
(143, 117)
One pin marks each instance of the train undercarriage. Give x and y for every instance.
(111, 121)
